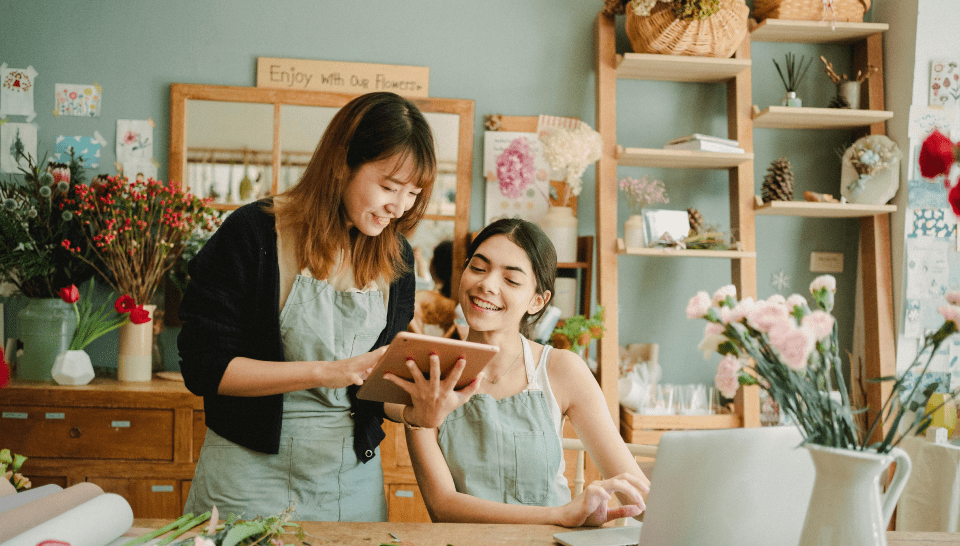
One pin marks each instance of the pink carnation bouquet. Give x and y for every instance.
(790, 349)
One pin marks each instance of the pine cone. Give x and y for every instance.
(839, 101)
(696, 221)
(778, 183)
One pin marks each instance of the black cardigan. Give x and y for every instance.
(231, 309)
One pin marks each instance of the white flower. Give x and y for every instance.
(572, 150)
(709, 344)
(728, 376)
(793, 344)
(819, 324)
(721, 295)
(698, 305)
(777, 299)
(738, 313)
(796, 300)
(765, 315)
(951, 313)
(823, 281)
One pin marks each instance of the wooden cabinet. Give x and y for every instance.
(734, 74)
(140, 441)
(874, 349)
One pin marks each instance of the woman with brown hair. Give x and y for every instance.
(286, 304)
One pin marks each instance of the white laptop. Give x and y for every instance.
(746, 486)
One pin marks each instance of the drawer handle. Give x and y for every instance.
(74, 432)
(404, 493)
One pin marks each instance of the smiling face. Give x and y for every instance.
(379, 192)
(498, 287)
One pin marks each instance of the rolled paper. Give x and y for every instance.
(99, 521)
(12, 501)
(25, 517)
(6, 488)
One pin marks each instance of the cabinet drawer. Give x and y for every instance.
(149, 498)
(87, 433)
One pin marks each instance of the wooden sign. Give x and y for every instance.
(341, 77)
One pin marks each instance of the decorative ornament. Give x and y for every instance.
(696, 221)
(780, 280)
(778, 183)
(492, 122)
(815, 197)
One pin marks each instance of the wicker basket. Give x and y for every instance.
(716, 36)
(811, 10)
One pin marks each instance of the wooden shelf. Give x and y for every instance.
(646, 429)
(682, 159)
(789, 117)
(813, 32)
(821, 210)
(678, 68)
(683, 253)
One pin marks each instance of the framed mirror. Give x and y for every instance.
(238, 144)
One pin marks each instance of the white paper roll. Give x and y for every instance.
(96, 522)
(12, 501)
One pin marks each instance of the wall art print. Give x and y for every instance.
(517, 175)
(85, 147)
(944, 83)
(77, 99)
(16, 92)
(13, 137)
(134, 140)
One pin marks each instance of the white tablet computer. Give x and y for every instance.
(419, 347)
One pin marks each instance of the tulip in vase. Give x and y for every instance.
(73, 366)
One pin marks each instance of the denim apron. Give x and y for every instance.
(507, 450)
(316, 467)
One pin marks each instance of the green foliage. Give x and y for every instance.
(33, 225)
(687, 10)
(577, 331)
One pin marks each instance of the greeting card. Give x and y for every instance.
(944, 83)
(74, 99)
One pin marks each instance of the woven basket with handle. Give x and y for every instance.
(719, 35)
(811, 10)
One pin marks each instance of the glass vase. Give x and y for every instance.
(46, 326)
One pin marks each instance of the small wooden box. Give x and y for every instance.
(647, 429)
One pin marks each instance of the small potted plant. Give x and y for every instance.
(640, 192)
(792, 75)
(576, 332)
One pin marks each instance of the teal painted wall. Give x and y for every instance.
(523, 57)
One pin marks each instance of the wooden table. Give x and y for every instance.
(464, 534)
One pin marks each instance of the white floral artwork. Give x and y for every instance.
(134, 140)
(514, 192)
(12, 137)
(77, 99)
(944, 83)
(16, 92)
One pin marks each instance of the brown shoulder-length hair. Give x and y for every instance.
(369, 128)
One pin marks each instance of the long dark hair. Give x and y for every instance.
(369, 128)
(540, 251)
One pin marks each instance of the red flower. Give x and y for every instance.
(125, 304)
(139, 315)
(936, 155)
(4, 371)
(953, 196)
(69, 294)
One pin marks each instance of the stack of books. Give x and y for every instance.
(704, 143)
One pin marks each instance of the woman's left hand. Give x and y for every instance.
(434, 398)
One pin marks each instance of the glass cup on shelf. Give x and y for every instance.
(693, 399)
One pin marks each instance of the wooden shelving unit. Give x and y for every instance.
(683, 253)
(791, 117)
(679, 159)
(874, 321)
(674, 68)
(734, 74)
(821, 210)
(813, 32)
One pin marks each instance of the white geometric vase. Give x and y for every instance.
(72, 368)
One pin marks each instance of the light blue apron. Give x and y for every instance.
(506, 450)
(316, 467)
